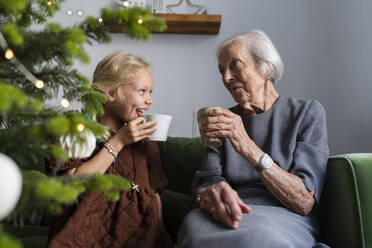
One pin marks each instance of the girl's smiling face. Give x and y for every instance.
(134, 97)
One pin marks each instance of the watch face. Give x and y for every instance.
(267, 161)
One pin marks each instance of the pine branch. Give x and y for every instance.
(53, 193)
(8, 241)
(39, 134)
(60, 46)
(13, 98)
(29, 131)
(24, 13)
(95, 31)
(128, 19)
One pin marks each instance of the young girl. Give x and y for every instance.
(134, 220)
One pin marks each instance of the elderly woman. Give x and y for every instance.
(260, 187)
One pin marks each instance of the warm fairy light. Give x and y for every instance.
(80, 13)
(100, 19)
(80, 127)
(9, 53)
(69, 12)
(65, 103)
(39, 84)
(49, 3)
(125, 3)
(140, 21)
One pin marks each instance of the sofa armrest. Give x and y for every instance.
(346, 204)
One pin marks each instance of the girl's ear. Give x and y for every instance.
(111, 96)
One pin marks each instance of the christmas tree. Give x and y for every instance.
(35, 65)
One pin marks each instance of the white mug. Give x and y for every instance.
(162, 126)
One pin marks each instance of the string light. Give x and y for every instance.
(65, 103)
(100, 20)
(49, 3)
(140, 21)
(9, 53)
(80, 127)
(13, 60)
(80, 13)
(39, 84)
(69, 12)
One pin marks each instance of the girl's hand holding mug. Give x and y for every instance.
(136, 130)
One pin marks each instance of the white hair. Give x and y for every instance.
(262, 49)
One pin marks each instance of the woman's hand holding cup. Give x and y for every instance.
(224, 123)
(203, 116)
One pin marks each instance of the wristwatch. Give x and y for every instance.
(265, 163)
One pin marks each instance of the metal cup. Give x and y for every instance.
(207, 141)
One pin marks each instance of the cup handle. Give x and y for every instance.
(143, 120)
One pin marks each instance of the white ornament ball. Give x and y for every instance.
(10, 185)
(76, 149)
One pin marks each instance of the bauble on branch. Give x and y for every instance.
(10, 185)
(76, 149)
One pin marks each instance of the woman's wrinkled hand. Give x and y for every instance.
(224, 123)
(135, 131)
(223, 203)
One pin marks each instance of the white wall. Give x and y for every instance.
(325, 46)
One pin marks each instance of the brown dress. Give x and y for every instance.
(132, 221)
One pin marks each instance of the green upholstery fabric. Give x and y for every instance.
(346, 204)
(181, 157)
(175, 207)
(35, 242)
(345, 207)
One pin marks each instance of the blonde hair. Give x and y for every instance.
(115, 70)
(262, 49)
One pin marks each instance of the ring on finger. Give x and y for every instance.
(211, 210)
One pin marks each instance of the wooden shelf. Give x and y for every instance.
(186, 24)
(191, 24)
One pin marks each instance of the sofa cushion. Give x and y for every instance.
(175, 207)
(35, 242)
(181, 157)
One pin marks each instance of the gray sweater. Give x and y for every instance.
(293, 132)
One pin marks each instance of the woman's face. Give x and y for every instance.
(135, 97)
(240, 73)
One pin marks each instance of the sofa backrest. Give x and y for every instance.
(181, 158)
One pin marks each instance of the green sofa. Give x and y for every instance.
(345, 211)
